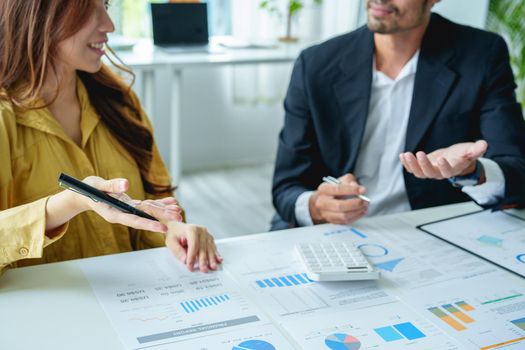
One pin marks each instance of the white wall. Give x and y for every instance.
(218, 133)
(470, 12)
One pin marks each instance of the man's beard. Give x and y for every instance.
(380, 27)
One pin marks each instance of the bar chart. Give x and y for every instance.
(454, 314)
(346, 230)
(284, 281)
(194, 305)
(458, 313)
(399, 331)
(465, 306)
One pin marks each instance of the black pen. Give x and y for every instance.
(332, 180)
(75, 185)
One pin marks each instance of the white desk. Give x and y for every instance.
(53, 307)
(159, 83)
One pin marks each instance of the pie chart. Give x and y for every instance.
(341, 341)
(254, 345)
(373, 250)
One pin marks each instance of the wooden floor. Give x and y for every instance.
(229, 202)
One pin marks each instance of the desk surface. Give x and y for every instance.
(144, 54)
(53, 306)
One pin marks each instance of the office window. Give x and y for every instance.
(132, 18)
(219, 17)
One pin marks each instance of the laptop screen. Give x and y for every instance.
(179, 24)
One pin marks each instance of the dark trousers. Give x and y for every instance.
(278, 223)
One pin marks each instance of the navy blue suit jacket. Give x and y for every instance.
(463, 91)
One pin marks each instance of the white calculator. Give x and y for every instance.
(336, 261)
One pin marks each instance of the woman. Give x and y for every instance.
(62, 110)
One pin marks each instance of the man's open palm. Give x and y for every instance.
(456, 160)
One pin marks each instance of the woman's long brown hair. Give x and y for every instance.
(29, 33)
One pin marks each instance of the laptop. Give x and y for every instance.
(180, 27)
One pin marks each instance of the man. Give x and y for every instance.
(412, 109)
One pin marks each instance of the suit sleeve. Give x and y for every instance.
(502, 124)
(298, 166)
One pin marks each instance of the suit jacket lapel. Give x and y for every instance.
(432, 84)
(352, 91)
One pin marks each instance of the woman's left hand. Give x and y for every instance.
(193, 244)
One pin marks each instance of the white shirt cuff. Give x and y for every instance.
(494, 187)
(302, 209)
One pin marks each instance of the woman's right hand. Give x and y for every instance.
(65, 205)
(117, 188)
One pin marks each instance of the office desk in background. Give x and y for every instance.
(53, 306)
(159, 80)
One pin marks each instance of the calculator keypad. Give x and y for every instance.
(335, 258)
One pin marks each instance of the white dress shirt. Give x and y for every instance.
(378, 167)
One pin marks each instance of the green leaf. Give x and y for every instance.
(295, 6)
(507, 17)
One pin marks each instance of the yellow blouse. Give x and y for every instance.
(34, 149)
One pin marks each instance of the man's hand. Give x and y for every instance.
(456, 160)
(331, 203)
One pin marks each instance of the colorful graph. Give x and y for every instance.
(373, 250)
(389, 265)
(284, 281)
(358, 233)
(254, 345)
(388, 333)
(465, 306)
(195, 305)
(345, 230)
(447, 318)
(489, 240)
(399, 331)
(519, 323)
(378, 251)
(497, 300)
(341, 341)
(453, 314)
(458, 313)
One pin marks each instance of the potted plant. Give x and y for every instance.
(292, 9)
(507, 17)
